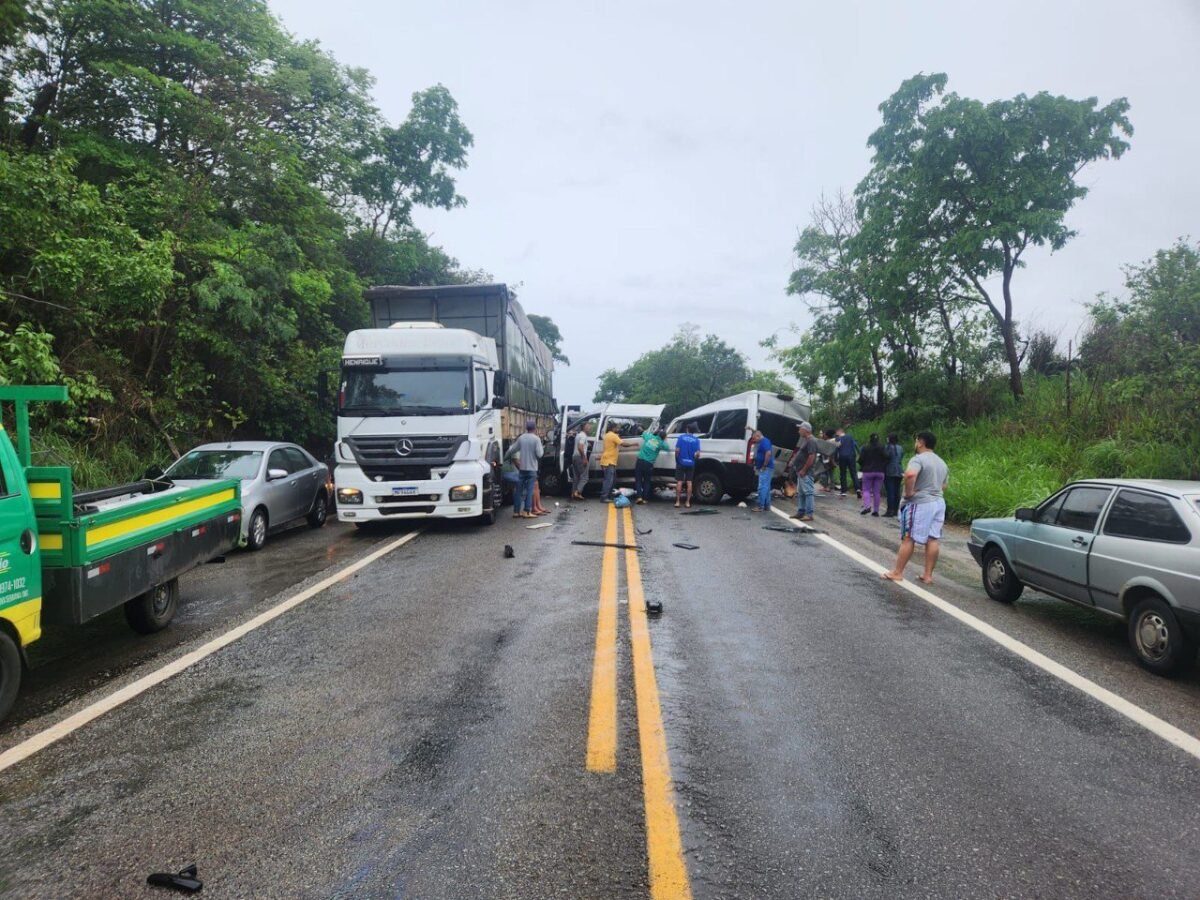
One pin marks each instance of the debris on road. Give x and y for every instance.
(508, 551)
(683, 546)
(647, 531)
(786, 529)
(603, 544)
(703, 512)
(654, 607)
(184, 880)
(540, 525)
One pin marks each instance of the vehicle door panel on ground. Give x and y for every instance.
(1052, 550)
(1139, 540)
(281, 495)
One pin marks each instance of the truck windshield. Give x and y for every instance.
(216, 464)
(408, 392)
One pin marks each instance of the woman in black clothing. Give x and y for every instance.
(872, 461)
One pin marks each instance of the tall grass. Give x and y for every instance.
(1022, 452)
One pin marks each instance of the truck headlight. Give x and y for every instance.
(349, 495)
(462, 492)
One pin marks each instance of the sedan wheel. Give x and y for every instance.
(256, 533)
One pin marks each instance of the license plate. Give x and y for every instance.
(405, 491)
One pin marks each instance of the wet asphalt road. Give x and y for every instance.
(419, 730)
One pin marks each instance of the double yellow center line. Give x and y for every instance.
(664, 848)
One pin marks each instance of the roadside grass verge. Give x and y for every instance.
(1021, 454)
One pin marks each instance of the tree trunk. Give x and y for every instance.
(43, 101)
(1009, 332)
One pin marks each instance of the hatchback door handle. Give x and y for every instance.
(1079, 542)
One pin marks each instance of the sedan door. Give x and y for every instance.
(308, 478)
(1051, 552)
(281, 495)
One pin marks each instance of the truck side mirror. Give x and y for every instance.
(500, 384)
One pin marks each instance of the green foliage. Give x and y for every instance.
(190, 204)
(688, 372)
(550, 335)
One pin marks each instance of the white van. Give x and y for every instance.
(724, 428)
(631, 419)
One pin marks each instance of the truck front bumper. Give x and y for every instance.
(458, 495)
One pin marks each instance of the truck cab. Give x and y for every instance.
(420, 425)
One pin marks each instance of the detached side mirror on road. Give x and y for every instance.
(1025, 514)
(276, 474)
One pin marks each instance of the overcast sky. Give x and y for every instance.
(638, 165)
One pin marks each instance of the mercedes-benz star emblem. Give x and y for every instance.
(404, 447)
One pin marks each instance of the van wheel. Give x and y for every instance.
(153, 610)
(553, 484)
(320, 511)
(708, 488)
(998, 578)
(1158, 640)
(256, 532)
(10, 673)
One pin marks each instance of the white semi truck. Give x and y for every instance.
(425, 410)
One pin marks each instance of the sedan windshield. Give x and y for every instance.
(416, 392)
(216, 464)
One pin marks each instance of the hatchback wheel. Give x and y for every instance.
(998, 578)
(1157, 639)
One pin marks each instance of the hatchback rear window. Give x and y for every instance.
(1145, 517)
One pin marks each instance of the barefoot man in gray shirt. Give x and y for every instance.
(923, 509)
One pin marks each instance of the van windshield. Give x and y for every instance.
(408, 392)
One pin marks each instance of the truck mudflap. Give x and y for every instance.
(72, 595)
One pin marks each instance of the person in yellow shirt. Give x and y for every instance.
(608, 461)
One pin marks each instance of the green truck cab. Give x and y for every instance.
(67, 556)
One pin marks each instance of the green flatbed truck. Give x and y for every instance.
(68, 556)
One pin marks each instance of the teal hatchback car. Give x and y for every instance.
(1129, 549)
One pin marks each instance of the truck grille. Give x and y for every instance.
(403, 457)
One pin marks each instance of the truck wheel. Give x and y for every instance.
(10, 673)
(708, 488)
(153, 610)
(319, 513)
(552, 483)
(256, 532)
(998, 578)
(1158, 640)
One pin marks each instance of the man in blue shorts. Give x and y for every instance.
(687, 451)
(923, 509)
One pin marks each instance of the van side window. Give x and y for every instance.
(729, 424)
(780, 429)
(1145, 517)
(704, 424)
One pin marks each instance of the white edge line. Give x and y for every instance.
(60, 730)
(1147, 720)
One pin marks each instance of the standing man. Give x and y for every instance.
(528, 451)
(923, 509)
(893, 475)
(608, 461)
(805, 457)
(653, 443)
(687, 451)
(847, 454)
(579, 461)
(764, 465)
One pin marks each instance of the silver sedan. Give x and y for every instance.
(280, 483)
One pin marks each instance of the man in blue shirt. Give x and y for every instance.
(687, 451)
(764, 465)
